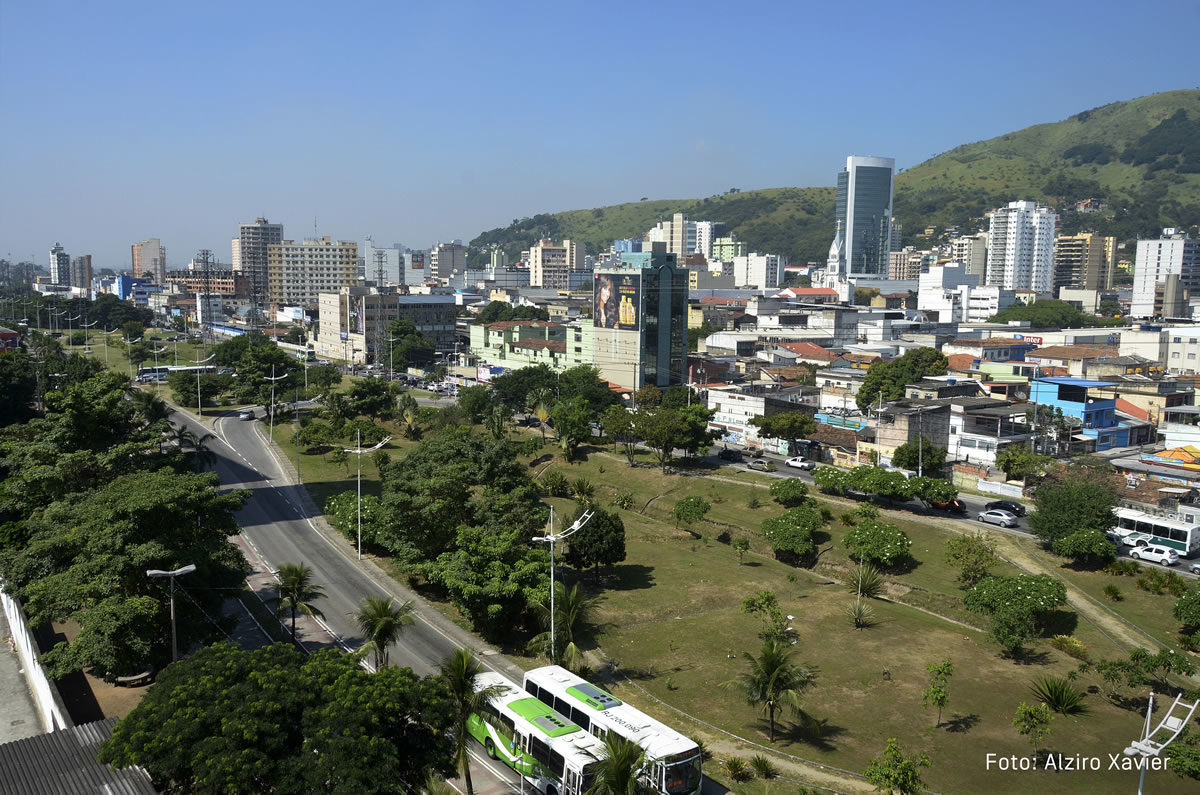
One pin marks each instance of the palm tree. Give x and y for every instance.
(573, 610)
(336, 408)
(381, 621)
(203, 456)
(773, 682)
(407, 411)
(537, 397)
(540, 400)
(617, 772)
(297, 592)
(459, 671)
(497, 421)
(149, 406)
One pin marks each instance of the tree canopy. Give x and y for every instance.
(889, 378)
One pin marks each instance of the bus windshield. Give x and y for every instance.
(683, 777)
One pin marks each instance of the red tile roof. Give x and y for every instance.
(989, 342)
(861, 357)
(1073, 352)
(1132, 410)
(810, 292)
(557, 346)
(810, 350)
(961, 361)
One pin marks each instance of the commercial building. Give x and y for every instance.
(299, 272)
(1084, 261)
(81, 272)
(354, 322)
(249, 250)
(445, 259)
(947, 294)
(971, 251)
(864, 213)
(758, 271)
(1165, 273)
(60, 265)
(1020, 249)
(678, 234)
(225, 282)
(551, 264)
(149, 256)
(640, 319)
(513, 344)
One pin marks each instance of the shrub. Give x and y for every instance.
(737, 769)
(689, 511)
(753, 503)
(1123, 568)
(724, 537)
(554, 484)
(1059, 695)
(742, 546)
(705, 754)
(791, 534)
(1071, 646)
(624, 500)
(848, 518)
(866, 581)
(1113, 593)
(763, 767)
(583, 490)
(861, 614)
(875, 541)
(1157, 581)
(789, 493)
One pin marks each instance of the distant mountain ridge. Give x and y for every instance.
(1140, 158)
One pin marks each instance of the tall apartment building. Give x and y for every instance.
(758, 271)
(149, 256)
(1084, 261)
(864, 213)
(250, 254)
(394, 262)
(60, 265)
(971, 251)
(906, 264)
(219, 281)
(1020, 250)
(81, 271)
(706, 233)
(297, 273)
(551, 264)
(445, 259)
(1165, 273)
(678, 234)
(726, 248)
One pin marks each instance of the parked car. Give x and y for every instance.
(760, 465)
(729, 455)
(1002, 518)
(1194, 568)
(246, 414)
(950, 506)
(800, 462)
(1015, 508)
(1155, 554)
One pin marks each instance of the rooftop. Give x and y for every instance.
(555, 346)
(988, 342)
(505, 325)
(1074, 352)
(65, 761)
(961, 361)
(810, 350)
(716, 300)
(1071, 381)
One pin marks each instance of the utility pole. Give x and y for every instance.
(273, 379)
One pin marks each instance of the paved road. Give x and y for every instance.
(281, 526)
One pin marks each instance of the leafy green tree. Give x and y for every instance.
(938, 692)
(336, 407)
(516, 387)
(690, 511)
(324, 377)
(18, 385)
(600, 542)
(697, 438)
(500, 311)
(873, 541)
(919, 455)
(662, 430)
(881, 482)
(618, 425)
(789, 492)
(973, 555)
(1068, 507)
(621, 762)
(497, 420)
(765, 605)
(296, 593)
(1033, 722)
(773, 683)
(1046, 313)
(1017, 605)
(412, 348)
(573, 610)
(676, 396)
(791, 534)
(1020, 463)
(889, 378)
(571, 424)
(370, 397)
(1088, 547)
(1187, 611)
(932, 490)
(892, 771)
(785, 425)
(476, 401)
(277, 720)
(183, 387)
(648, 397)
(381, 621)
(741, 546)
(1185, 757)
(460, 671)
(585, 382)
(132, 330)
(831, 480)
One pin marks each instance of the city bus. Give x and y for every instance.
(673, 760)
(553, 754)
(1137, 528)
(153, 375)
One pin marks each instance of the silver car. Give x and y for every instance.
(998, 517)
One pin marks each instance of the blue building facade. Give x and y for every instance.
(1097, 415)
(627, 246)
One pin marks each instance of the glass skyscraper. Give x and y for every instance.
(864, 210)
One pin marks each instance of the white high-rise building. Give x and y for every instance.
(393, 263)
(60, 265)
(864, 212)
(705, 233)
(297, 273)
(1020, 247)
(971, 251)
(679, 234)
(1163, 269)
(758, 271)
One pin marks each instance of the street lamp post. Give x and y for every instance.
(129, 342)
(1170, 727)
(199, 403)
(272, 378)
(87, 331)
(359, 450)
(171, 575)
(551, 538)
(391, 355)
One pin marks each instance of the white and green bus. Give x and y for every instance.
(553, 754)
(1137, 528)
(673, 760)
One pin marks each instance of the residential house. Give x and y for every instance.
(734, 408)
(1096, 423)
(990, 349)
(1072, 357)
(979, 431)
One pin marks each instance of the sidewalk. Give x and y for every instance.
(21, 717)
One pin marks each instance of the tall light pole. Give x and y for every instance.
(551, 538)
(129, 342)
(359, 450)
(199, 403)
(157, 351)
(87, 327)
(273, 378)
(1169, 728)
(188, 569)
(391, 355)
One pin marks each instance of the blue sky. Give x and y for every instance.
(414, 122)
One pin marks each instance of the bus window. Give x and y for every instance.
(561, 707)
(580, 717)
(507, 721)
(556, 764)
(1179, 535)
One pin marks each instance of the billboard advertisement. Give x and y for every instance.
(617, 300)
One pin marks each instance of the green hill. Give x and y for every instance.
(1141, 158)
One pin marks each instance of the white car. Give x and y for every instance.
(1155, 554)
(800, 462)
(1002, 518)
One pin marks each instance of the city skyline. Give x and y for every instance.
(422, 136)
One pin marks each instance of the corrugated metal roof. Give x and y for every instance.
(64, 763)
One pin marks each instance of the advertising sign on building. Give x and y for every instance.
(616, 300)
(1030, 338)
(416, 260)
